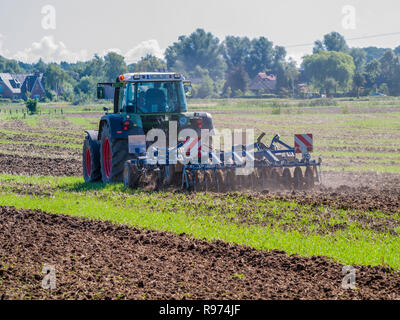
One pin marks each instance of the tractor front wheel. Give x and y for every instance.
(113, 154)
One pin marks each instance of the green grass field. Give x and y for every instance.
(342, 235)
(349, 136)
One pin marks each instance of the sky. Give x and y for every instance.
(71, 30)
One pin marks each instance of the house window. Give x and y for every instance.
(1, 88)
(36, 97)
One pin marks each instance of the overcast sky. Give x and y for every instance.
(136, 27)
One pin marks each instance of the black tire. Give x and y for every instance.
(118, 155)
(90, 161)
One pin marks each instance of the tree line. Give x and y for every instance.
(225, 68)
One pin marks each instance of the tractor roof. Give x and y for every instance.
(152, 76)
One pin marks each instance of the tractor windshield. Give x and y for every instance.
(156, 97)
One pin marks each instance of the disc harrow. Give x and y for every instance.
(254, 167)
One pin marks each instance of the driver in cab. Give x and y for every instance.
(155, 99)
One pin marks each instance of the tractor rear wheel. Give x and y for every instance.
(113, 154)
(90, 161)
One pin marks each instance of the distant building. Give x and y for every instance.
(264, 82)
(9, 86)
(34, 84)
(15, 86)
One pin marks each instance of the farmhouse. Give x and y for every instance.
(9, 87)
(263, 82)
(16, 86)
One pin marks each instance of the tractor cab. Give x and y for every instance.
(150, 100)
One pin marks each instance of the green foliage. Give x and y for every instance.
(333, 41)
(198, 49)
(206, 87)
(237, 79)
(358, 82)
(31, 105)
(86, 85)
(114, 65)
(54, 77)
(261, 57)
(149, 63)
(325, 67)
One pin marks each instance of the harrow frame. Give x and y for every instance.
(257, 153)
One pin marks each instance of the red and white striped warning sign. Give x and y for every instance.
(303, 143)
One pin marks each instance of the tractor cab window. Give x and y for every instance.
(128, 101)
(160, 97)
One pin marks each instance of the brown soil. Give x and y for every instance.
(14, 164)
(98, 260)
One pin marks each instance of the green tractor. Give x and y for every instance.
(150, 133)
(142, 102)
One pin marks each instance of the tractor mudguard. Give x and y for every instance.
(206, 120)
(93, 136)
(116, 124)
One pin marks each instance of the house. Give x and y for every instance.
(264, 82)
(33, 83)
(10, 87)
(15, 86)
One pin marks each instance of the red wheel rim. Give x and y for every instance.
(107, 158)
(88, 162)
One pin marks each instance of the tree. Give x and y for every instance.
(358, 82)
(330, 85)
(114, 65)
(237, 79)
(287, 74)
(359, 58)
(40, 66)
(94, 67)
(9, 66)
(86, 85)
(54, 77)
(390, 72)
(236, 51)
(149, 63)
(372, 72)
(374, 53)
(397, 50)
(336, 65)
(260, 58)
(201, 49)
(333, 41)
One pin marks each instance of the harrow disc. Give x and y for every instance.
(219, 180)
(131, 175)
(309, 178)
(286, 179)
(168, 175)
(231, 181)
(298, 178)
(274, 178)
(265, 176)
(208, 181)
